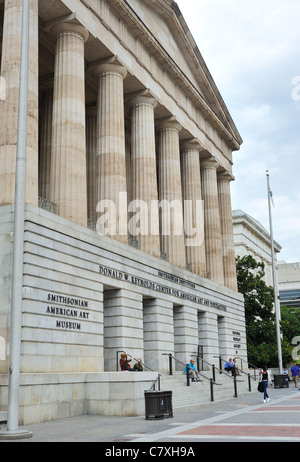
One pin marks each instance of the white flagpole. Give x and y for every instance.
(275, 286)
(18, 247)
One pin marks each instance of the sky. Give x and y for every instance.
(252, 50)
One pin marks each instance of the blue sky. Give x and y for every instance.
(253, 53)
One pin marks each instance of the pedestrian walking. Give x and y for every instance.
(265, 381)
(295, 374)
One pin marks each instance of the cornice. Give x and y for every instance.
(172, 14)
(240, 217)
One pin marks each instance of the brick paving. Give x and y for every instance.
(278, 409)
(246, 430)
(254, 421)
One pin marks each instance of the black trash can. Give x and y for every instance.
(158, 404)
(281, 381)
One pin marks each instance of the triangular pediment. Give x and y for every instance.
(165, 22)
(161, 23)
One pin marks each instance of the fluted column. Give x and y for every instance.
(68, 156)
(230, 278)
(170, 194)
(91, 153)
(111, 162)
(193, 208)
(10, 71)
(144, 224)
(45, 140)
(212, 227)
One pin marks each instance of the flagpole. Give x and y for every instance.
(275, 286)
(13, 430)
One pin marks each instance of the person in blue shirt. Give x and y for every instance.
(230, 366)
(295, 374)
(285, 372)
(192, 371)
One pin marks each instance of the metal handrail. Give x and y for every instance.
(152, 388)
(212, 382)
(234, 377)
(145, 365)
(186, 365)
(121, 351)
(252, 365)
(220, 370)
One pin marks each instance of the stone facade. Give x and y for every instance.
(251, 238)
(129, 147)
(289, 283)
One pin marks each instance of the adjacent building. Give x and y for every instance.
(251, 238)
(289, 283)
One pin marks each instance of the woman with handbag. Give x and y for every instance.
(265, 382)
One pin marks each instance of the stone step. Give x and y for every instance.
(200, 392)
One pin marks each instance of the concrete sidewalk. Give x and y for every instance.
(245, 418)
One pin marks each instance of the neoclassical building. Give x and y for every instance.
(251, 238)
(128, 220)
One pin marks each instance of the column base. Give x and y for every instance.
(15, 434)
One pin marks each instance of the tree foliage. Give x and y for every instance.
(290, 321)
(259, 314)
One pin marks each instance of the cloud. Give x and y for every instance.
(253, 55)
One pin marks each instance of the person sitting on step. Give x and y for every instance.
(192, 371)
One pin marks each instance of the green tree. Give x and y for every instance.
(290, 322)
(259, 314)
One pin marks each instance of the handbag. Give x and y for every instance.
(260, 387)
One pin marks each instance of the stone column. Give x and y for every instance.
(212, 227)
(185, 333)
(68, 156)
(158, 333)
(91, 153)
(193, 208)
(144, 224)
(10, 71)
(45, 140)
(209, 336)
(230, 278)
(123, 326)
(111, 161)
(170, 194)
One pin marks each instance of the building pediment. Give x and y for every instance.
(166, 26)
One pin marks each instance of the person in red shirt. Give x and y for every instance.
(124, 363)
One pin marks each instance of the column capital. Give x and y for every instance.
(110, 65)
(142, 98)
(69, 28)
(168, 123)
(225, 176)
(209, 162)
(192, 144)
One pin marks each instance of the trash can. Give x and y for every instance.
(158, 405)
(281, 381)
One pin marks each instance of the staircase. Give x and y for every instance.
(199, 392)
